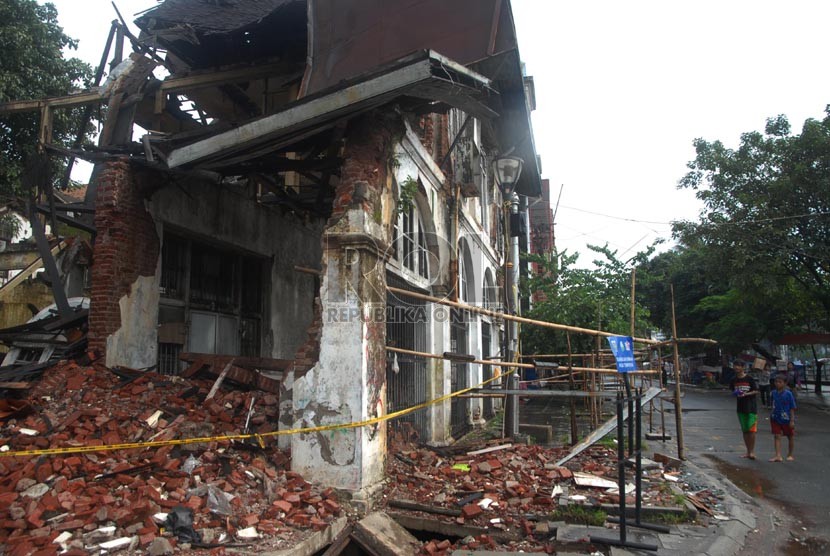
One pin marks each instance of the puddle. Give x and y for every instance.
(806, 547)
(751, 481)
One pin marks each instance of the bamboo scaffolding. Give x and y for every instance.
(496, 314)
(496, 364)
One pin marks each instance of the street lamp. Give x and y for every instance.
(507, 170)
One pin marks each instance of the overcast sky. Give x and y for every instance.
(622, 89)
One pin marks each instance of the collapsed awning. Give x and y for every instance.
(425, 74)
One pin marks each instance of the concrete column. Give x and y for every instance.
(475, 371)
(439, 419)
(348, 382)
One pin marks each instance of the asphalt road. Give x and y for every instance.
(800, 489)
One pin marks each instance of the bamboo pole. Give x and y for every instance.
(677, 401)
(633, 291)
(686, 341)
(515, 318)
(572, 401)
(589, 370)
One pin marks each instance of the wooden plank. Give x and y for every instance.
(263, 363)
(490, 449)
(28, 271)
(605, 428)
(197, 365)
(340, 542)
(209, 79)
(87, 97)
(16, 385)
(407, 505)
(219, 380)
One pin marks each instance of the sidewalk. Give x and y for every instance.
(809, 397)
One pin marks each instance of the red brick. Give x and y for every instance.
(471, 510)
(283, 506)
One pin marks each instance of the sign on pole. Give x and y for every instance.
(623, 349)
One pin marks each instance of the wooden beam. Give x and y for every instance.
(209, 79)
(77, 99)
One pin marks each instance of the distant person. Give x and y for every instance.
(764, 380)
(782, 419)
(793, 379)
(745, 389)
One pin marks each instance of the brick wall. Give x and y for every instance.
(362, 176)
(126, 246)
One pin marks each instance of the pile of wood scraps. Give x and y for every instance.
(256, 372)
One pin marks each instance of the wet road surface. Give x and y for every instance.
(795, 494)
(791, 499)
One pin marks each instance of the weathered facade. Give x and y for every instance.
(286, 177)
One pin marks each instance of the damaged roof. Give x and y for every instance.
(211, 33)
(212, 16)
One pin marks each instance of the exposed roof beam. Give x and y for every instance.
(423, 68)
(77, 99)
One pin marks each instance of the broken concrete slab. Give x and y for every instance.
(383, 536)
(314, 543)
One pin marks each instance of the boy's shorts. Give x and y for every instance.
(778, 428)
(749, 422)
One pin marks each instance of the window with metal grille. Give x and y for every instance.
(173, 267)
(212, 277)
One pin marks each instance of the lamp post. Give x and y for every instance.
(507, 171)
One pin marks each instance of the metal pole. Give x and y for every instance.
(511, 413)
(678, 408)
(638, 466)
(621, 467)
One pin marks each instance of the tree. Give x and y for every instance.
(763, 240)
(596, 298)
(32, 66)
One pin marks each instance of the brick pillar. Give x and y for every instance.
(348, 382)
(124, 304)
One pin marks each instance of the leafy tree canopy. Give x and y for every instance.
(764, 236)
(32, 66)
(598, 298)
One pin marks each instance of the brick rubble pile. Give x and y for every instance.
(84, 499)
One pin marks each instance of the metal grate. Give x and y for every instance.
(460, 407)
(406, 375)
(487, 370)
(169, 358)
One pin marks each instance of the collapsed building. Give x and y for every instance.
(267, 168)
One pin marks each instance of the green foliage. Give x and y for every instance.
(409, 187)
(756, 264)
(32, 66)
(596, 298)
(579, 514)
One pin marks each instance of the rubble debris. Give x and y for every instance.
(115, 499)
(504, 495)
(258, 372)
(45, 339)
(383, 536)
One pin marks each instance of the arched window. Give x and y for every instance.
(410, 244)
(465, 273)
(491, 293)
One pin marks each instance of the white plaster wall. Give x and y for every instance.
(135, 344)
(335, 392)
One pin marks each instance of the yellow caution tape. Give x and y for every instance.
(258, 437)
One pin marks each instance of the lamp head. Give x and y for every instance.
(507, 170)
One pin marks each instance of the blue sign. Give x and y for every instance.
(623, 349)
